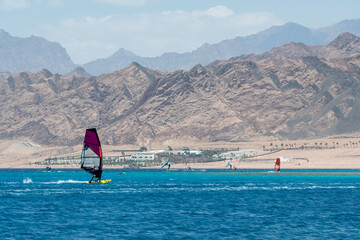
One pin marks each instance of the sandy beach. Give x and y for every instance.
(341, 152)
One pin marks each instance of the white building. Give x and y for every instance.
(142, 157)
(195, 152)
(239, 153)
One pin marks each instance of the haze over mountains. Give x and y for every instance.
(35, 53)
(293, 91)
(256, 43)
(32, 54)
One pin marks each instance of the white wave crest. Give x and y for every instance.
(27, 180)
(70, 181)
(65, 181)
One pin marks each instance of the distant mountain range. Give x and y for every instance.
(32, 54)
(294, 91)
(35, 53)
(256, 43)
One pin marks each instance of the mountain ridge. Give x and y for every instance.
(35, 53)
(256, 43)
(32, 54)
(293, 91)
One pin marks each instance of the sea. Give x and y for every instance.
(180, 204)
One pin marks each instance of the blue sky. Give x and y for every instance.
(91, 29)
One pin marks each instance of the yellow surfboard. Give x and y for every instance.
(101, 181)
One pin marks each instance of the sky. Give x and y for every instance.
(92, 29)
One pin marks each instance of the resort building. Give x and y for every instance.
(142, 157)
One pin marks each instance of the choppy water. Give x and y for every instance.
(179, 205)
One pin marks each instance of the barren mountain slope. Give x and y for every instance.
(294, 91)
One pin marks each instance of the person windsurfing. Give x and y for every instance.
(167, 163)
(91, 156)
(277, 165)
(48, 165)
(229, 164)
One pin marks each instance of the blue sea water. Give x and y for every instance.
(202, 204)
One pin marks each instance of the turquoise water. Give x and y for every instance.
(204, 204)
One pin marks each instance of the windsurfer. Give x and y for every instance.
(169, 165)
(166, 163)
(277, 165)
(97, 175)
(91, 156)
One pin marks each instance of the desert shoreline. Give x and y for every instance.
(342, 152)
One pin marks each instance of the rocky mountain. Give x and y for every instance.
(256, 43)
(293, 91)
(35, 53)
(32, 54)
(344, 46)
(78, 72)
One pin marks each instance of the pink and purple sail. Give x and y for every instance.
(91, 156)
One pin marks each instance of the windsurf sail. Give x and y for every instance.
(228, 164)
(91, 155)
(48, 165)
(277, 165)
(167, 161)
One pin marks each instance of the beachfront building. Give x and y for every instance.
(238, 154)
(286, 159)
(195, 152)
(142, 157)
(184, 152)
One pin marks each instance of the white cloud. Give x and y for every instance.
(89, 38)
(219, 12)
(123, 2)
(13, 4)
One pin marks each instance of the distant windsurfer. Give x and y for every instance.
(169, 165)
(166, 163)
(48, 167)
(277, 165)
